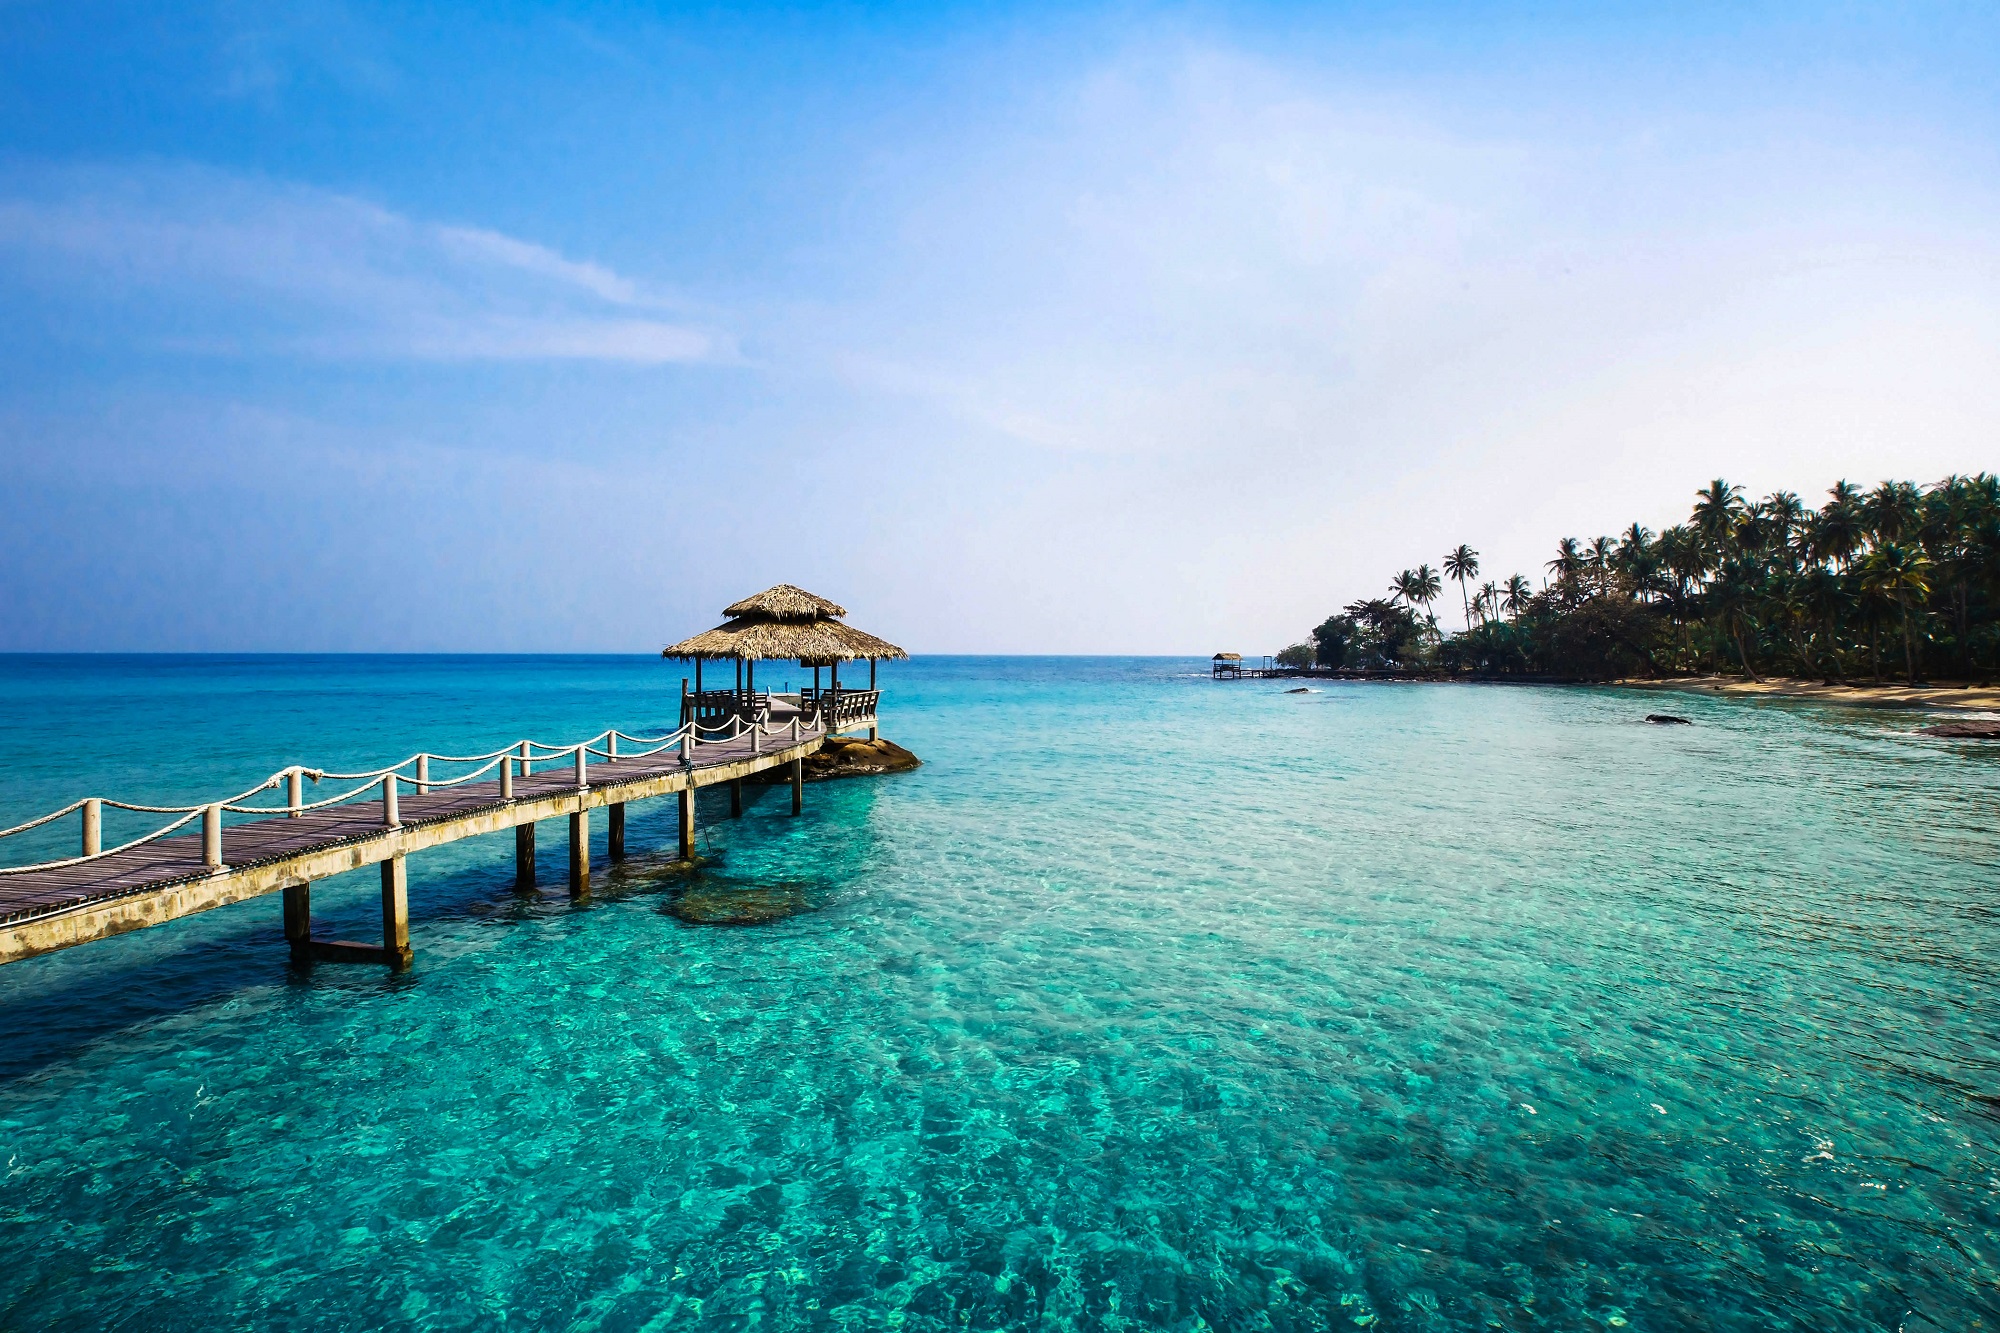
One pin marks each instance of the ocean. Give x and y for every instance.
(1149, 1002)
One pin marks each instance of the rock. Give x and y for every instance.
(723, 904)
(849, 757)
(1300, 690)
(1668, 720)
(1973, 731)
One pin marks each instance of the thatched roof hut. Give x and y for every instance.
(785, 622)
(784, 602)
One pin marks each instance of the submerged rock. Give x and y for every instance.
(1668, 720)
(724, 904)
(1300, 690)
(1974, 731)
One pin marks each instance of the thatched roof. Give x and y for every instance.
(785, 602)
(786, 622)
(1229, 657)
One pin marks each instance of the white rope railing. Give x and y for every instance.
(687, 738)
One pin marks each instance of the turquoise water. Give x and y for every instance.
(1147, 1003)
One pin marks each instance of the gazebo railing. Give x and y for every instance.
(714, 708)
(839, 708)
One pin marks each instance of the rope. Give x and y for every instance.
(79, 860)
(687, 736)
(37, 823)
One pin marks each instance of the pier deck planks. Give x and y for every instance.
(177, 860)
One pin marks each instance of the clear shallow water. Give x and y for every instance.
(1147, 1003)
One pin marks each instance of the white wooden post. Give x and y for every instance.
(611, 745)
(211, 837)
(389, 814)
(295, 792)
(524, 759)
(93, 826)
(581, 761)
(423, 774)
(506, 777)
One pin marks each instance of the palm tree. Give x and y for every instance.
(1637, 558)
(1892, 512)
(1825, 594)
(1717, 510)
(1809, 590)
(1900, 572)
(1425, 587)
(1463, 564)
(1600, 561)
(1734, 598)
(1786, 515)
(1568, 561)
(1837, 532)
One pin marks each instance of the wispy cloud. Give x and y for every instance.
(203, 260)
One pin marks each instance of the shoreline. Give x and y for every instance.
(1940, 698)
(1967, 698)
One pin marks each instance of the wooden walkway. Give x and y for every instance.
(47, 909)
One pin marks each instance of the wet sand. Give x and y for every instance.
(1983, 697)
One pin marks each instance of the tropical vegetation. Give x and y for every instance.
(1902, 579)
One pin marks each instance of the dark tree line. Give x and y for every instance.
(1902, 579)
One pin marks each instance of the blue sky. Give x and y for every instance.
(1014, 328)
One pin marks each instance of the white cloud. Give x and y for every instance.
(202, 260)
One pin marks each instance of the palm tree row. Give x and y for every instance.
(1903, 573)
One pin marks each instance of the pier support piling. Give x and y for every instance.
(736, 798)
(579, 852)
(395, 947)
(687, 824)
(615, 837)
(396, 911)
(298, 919)
(798, 786)
(524, 855)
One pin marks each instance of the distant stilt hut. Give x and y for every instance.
(1224, 665)
(782, 623)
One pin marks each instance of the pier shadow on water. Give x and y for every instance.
(54, 1008)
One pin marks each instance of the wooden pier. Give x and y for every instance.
(398, 811)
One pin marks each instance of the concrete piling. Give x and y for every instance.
(579, 852)
(298, 920)
(395, 911)
(524, 855)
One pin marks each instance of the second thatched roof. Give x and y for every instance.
(784, 602)
(786, 622)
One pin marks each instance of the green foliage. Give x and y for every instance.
(1298, 655)
(1331, 640)
(1767, 586)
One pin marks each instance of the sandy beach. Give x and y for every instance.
(1957, 697)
